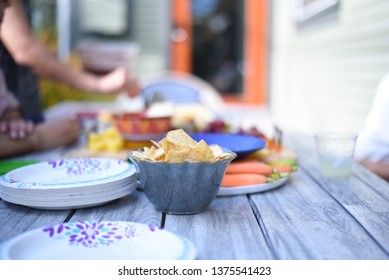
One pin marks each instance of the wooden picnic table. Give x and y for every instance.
(309, 217)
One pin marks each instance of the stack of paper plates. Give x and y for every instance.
(68, 183)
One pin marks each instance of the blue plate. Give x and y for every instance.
(242, 145)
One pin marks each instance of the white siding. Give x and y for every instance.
(324, 77)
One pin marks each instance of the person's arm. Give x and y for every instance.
(18, 38)
(379, 168)
(46, 136)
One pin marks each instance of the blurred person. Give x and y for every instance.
(23, 56)
(20, 136)
(10, 118)
(372, 147)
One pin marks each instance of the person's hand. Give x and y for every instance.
(17, 129)
(119, 80)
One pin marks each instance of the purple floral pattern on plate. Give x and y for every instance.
(67, 173)
(78, 166)
(92, 234)
(98, 240)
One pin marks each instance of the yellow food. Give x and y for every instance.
(178, 146)
(108, 140)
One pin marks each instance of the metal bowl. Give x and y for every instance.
(180, 188)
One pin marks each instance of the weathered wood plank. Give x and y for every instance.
(363, 195)
(135, 208)
(16, 219)
(303, 221)
(226, 230)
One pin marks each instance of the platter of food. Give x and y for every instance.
(253, 175)
(237, 190)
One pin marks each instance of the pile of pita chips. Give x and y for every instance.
(178, 146)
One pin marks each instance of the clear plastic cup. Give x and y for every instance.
(335, 153)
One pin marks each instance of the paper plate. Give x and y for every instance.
(65, 173)
(223, 191)
(69, 183)
(71, 200)
(103, 240)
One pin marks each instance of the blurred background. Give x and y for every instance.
(315, 64)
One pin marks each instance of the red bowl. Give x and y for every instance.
(139, 127)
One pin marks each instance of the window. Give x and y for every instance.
(312, 12)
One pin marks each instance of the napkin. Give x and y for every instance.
(9, 165)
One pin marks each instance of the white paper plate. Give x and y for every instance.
(63, 202)
(69, 183)
(67, 173)
(251, 189)
(98, 240)
(78, 190)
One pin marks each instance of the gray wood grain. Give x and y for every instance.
(303, 221)
(364, 196)
(226, 230)
(16, 219)
(135, 208)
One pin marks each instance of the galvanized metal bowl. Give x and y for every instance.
(180, 188)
